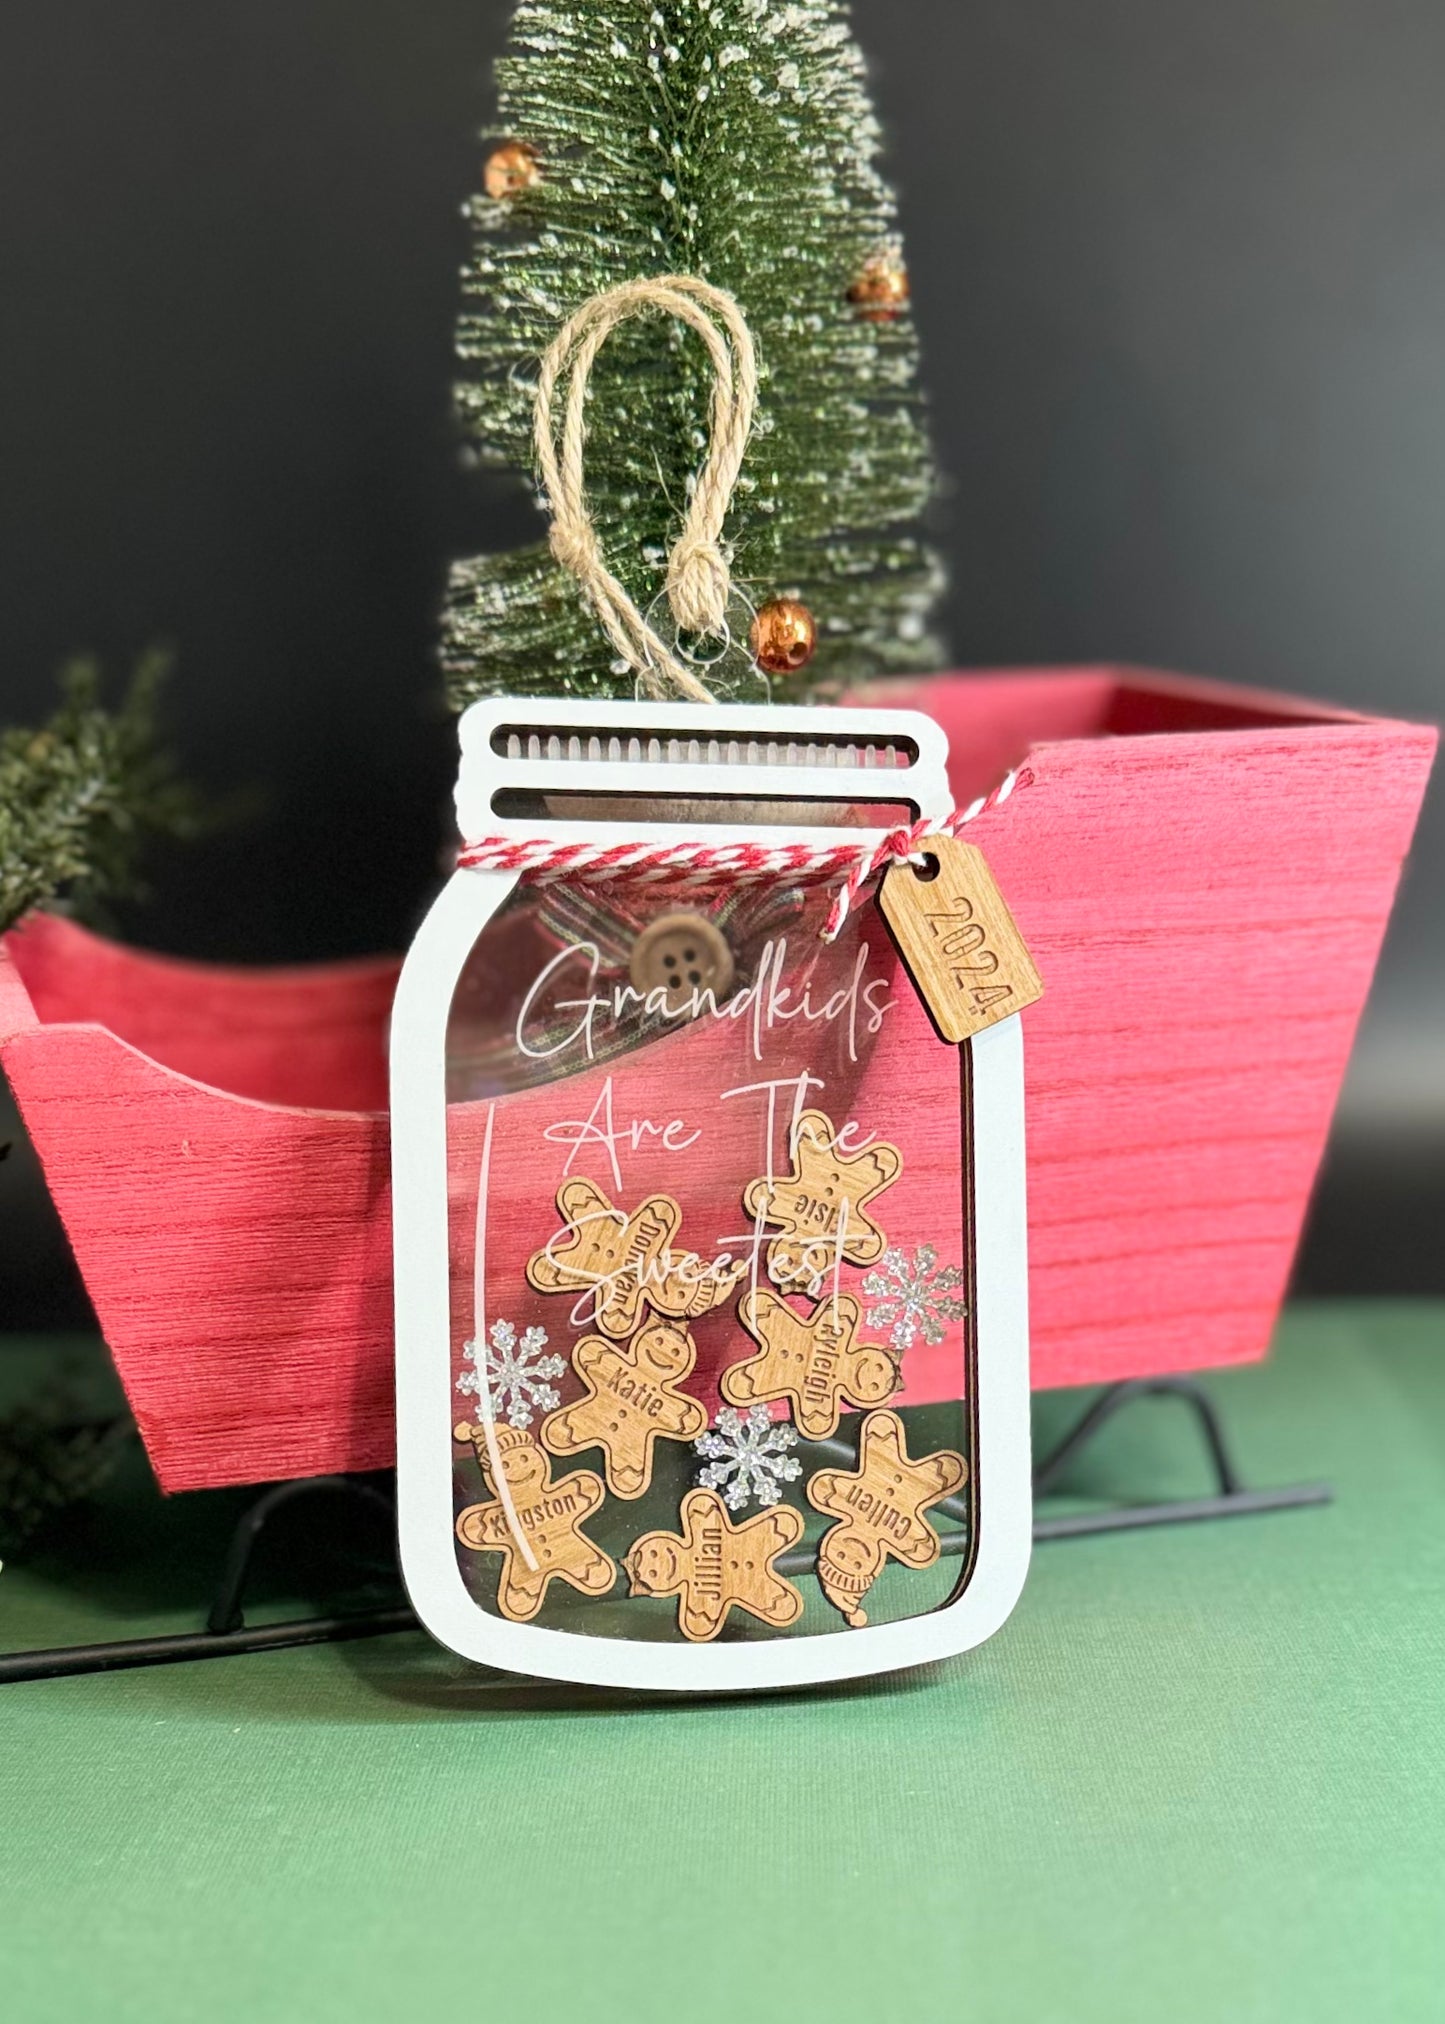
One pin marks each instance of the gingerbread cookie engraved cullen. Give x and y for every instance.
(533, 1522)
(624, 1260)
(632, 1400)
(821, 1207)
(715, 1565)
(813, 1361)
(879, 1508)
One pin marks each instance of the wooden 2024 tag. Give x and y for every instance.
(963, 951)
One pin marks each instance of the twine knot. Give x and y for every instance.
(698, 584)
(574, 547)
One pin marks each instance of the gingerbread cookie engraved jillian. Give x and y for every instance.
(715, 1565)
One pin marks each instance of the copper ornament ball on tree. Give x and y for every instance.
(783, 636)
(510, 169)
(880, 294)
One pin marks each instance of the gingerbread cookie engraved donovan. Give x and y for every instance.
(539, 1537)
(814, 1361)
(822, 1206)
(623, 1260)
(879, 1508)
(632, 1401)
(714, 1566)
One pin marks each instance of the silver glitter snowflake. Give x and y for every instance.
(516, 1374)
(914, 1298)
(748, 1458)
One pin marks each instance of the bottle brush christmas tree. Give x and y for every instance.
(732, 140)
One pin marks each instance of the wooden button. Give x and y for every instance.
(680, 954)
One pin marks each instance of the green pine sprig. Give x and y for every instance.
(82, 796)
(54, 1453)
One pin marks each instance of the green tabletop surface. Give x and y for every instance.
(1199, 1775)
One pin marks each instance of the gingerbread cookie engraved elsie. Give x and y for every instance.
(821, 1207)
(814, 1361)
(624, 1260)
(536, 1525)
(714, 1566)
(879, 1508)
(632, 1400)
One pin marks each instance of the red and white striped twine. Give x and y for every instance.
(703, 863)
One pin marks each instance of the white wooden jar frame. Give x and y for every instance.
(700, 753)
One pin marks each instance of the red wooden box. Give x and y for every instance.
(1204, 874)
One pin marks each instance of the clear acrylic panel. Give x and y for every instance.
(712, 1329)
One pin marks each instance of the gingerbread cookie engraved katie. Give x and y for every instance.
(814, 1361)
(822, 1206)
(632, 1400)
(626, 1260)
(879, 1508)
(533, 1522)
(714, 1566)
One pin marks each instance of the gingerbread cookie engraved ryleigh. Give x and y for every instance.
(632, 1400)
(814, 1361)
(625, 1260)
(821, 1207)
(715, 1565)
(533, 1522)
(879, 1508)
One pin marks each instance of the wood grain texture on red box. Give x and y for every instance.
(1202, 873)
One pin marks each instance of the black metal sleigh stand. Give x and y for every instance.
(227, 1633)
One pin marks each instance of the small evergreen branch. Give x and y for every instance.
(54, 1453)
(81, 797)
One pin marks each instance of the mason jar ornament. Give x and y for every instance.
(708, 1173)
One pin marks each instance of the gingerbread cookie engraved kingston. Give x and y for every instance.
(879, 1508)
(632, 1400)
(622, 1260)
(814, 1361)
(533, 1522)
(821, 1207)
(715, 1565)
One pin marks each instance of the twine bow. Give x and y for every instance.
(698, 582)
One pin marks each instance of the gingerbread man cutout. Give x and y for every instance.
(714, 1565)
(879, 1508)
(822, 1206)
(626, 1259)
(539, 1534)
(632, 1400)
(812, 1361)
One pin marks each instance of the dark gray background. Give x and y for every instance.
(1180, 273)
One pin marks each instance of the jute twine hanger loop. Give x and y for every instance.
(698, 583)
